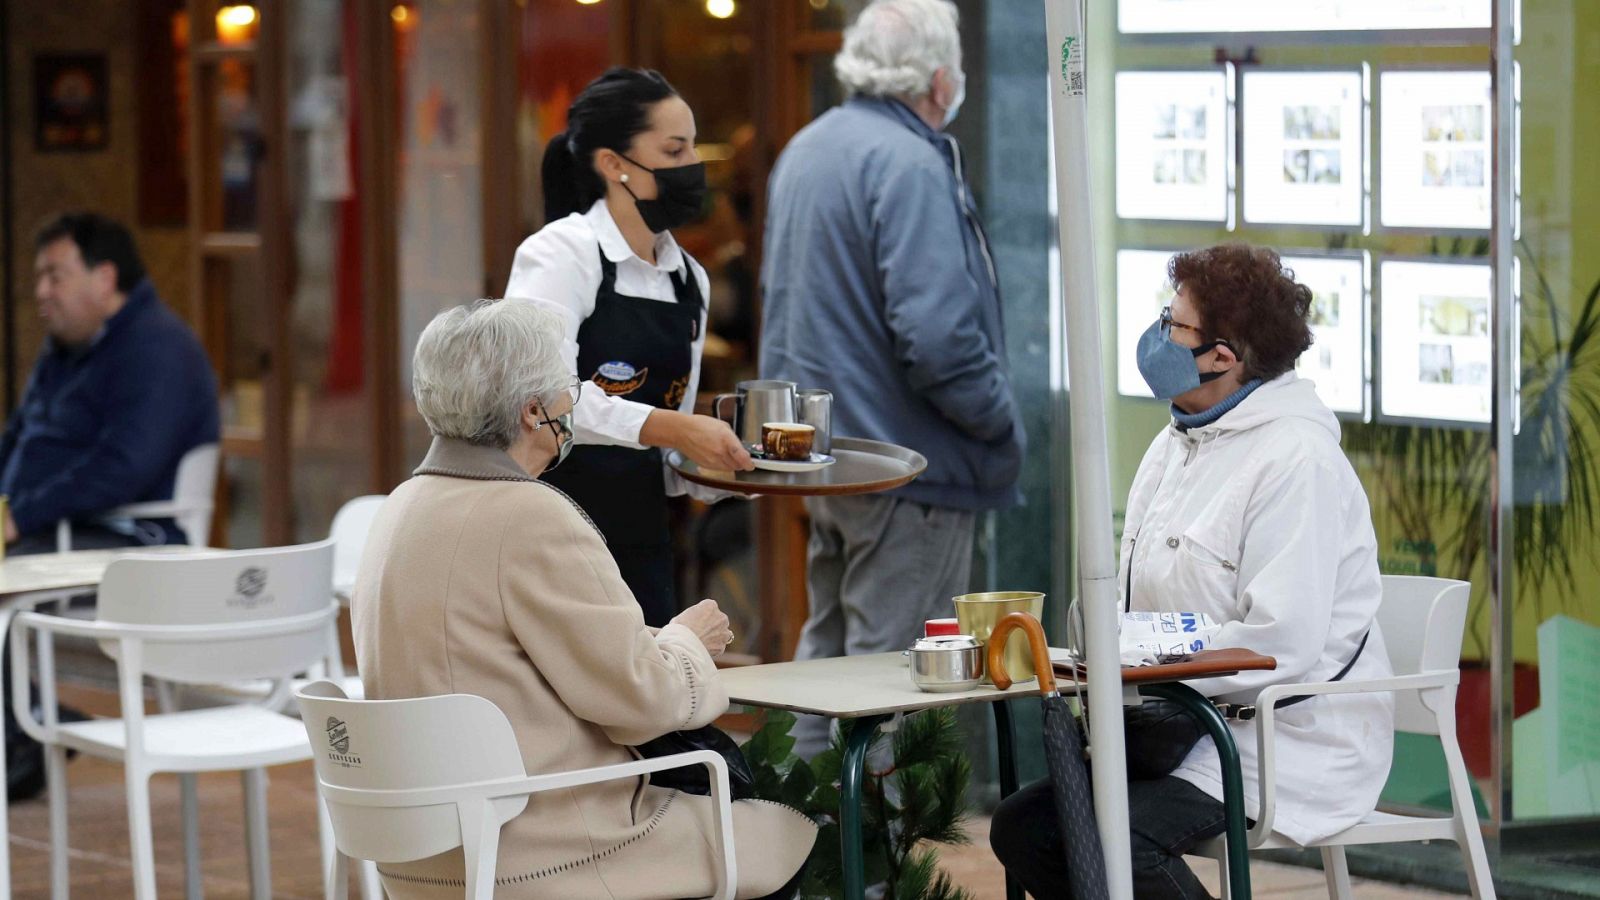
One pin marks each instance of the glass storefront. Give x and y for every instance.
(1366, 158)
(1555, 610)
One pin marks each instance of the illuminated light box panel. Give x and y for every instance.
(1435, 150)
(1142, 291)
(1304, 139)
(1173, 140)
(1337, 361)
(1435, 332)
(1262, 16)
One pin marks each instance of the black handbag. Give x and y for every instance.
(693, 778)
(1158, 734)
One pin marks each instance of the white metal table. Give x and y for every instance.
(26, 581)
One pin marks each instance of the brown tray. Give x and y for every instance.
(1205, 664)
(863, 467)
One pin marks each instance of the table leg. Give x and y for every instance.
(852, 853)
(6, 613)
(1194, 703)
(1006, 740)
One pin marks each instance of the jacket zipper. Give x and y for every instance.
(1127, 587)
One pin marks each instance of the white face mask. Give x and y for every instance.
(961, 95)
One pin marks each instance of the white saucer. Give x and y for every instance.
(817, 461)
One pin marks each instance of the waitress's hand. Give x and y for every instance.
(709, 442)
(708, 623)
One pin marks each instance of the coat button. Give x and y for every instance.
(1172, 542)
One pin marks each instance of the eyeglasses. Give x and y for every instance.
(1168, 322)
(575, 390)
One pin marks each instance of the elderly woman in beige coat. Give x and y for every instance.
(480, 579)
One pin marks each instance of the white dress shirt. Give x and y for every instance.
(560, 264)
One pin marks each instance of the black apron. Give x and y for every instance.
(640, 349)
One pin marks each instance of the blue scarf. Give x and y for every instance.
(1186, 421)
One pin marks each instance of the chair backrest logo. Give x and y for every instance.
(339, 744)
(338, 735)
(251, 581)
(249, 588)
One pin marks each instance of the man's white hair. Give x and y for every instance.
(894, 47)
(478, 366)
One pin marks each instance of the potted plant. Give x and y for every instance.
(915, 802)
(1433, 485)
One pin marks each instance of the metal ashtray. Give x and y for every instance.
(946, 663)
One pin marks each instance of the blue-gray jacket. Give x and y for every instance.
(878, 286)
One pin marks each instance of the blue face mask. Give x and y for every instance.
(1168, 367)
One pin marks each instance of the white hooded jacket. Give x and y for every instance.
(1259, 521)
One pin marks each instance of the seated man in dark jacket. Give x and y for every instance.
(121, 391)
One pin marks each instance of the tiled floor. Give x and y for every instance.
(98, 838)
(974, 867)
(99, 841)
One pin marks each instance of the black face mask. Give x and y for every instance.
(680, 194)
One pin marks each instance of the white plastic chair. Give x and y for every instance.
(400, 784)
(1422, 620)
(349, 535)
(188, 619)
(192, 491)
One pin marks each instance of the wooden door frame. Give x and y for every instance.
(277, 526)
(377, 123)
(500, 24)
(784, 45)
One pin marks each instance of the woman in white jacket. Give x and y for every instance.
(1246, 509)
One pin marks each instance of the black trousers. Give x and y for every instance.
(1169, 816)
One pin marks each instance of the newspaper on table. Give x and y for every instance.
(1148, 638)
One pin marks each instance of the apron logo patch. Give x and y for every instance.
(676, 392)
(619, 378)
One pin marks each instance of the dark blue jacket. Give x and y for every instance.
(106, 426)
(878, 286)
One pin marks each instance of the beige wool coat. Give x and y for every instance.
(479, 579)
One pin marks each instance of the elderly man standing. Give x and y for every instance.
(879, 286)
(122, 389)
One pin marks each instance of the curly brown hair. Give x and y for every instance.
(1245, 296)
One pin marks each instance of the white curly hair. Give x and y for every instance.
(894, 47)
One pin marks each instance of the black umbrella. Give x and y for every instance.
(1063, 752)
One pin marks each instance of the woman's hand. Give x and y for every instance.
(708, 623)
(709, 442)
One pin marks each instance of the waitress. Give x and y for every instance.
(616, 182)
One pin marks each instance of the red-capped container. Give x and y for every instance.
(938, 627)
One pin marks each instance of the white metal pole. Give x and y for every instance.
(1097, 562)
(1506, 338)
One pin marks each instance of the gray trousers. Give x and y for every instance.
(878, 568)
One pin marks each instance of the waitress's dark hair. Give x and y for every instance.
(610, 111)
